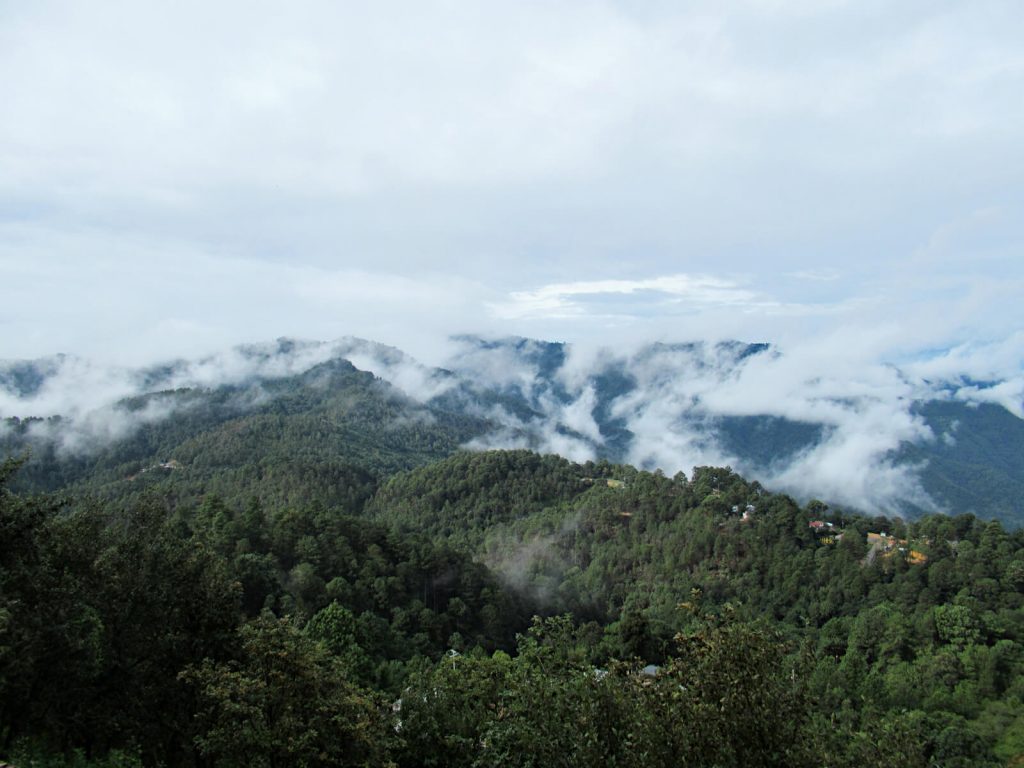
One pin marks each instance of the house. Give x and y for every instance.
(882, 540)
(748, 510)
(827, 532)
(888, 545)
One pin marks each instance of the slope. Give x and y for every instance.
(322, 435)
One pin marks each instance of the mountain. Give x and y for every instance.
(879, 440)
(888, 443)
(296, 527)
(321, 434)
(700, 619)
(977, 462)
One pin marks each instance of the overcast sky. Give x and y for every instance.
(175, 177)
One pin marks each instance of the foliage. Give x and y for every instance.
(237, 630)
(100, 613)
(285, 701)
(724, 700)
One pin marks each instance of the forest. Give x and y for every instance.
(499, 608)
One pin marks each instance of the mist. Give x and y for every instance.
(866, 408)
(666, 412)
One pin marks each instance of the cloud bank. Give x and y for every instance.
(678, 396)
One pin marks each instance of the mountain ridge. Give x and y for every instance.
(668, 406)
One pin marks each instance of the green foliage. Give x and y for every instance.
(27, 754)
(890, 636)
(724, 700)
(977, 464)
(274, 632)
(337, 629)
(466, 494)
(100, 612)
(285, 701)
(373, 595)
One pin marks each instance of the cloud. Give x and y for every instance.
(816, 275)
(991, 372)
(497, 364)
(1008, 394)
(74, 386)
(397, 368)
(549, 431)
(864, 405)
(992, 359)
(410, 170)
(148, 303)
(677, 396)
(89, 395)
(93, 430)
(569, 299)
(579, 415)
(667, 401)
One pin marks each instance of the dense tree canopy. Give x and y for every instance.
(698, 621)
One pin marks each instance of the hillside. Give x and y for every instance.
(321, 435)
(280, 508)
(891, 444)
(889, 641)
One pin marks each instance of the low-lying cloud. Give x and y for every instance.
(96, 429)
(679, 394)
(91, 398)
(656, 405)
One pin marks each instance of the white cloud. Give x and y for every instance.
(567, 299)
(675, 398)
(578, 415)
(1009, 394)
(410, 376)
(679, 392)
(758, 137)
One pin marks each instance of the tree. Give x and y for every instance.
(285, 701)
(742, 697)
(336, 628)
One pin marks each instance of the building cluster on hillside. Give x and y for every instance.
(880, 543)
(827, 532)
(171, 465)
(885, 545)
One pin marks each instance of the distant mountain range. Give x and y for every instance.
(878, 440)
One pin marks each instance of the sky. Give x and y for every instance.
(178, 177)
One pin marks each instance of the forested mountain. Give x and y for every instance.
(393, 624)
(980, 465)
(323, 434)
(277, 557)
(959, 448)
(895, 443)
